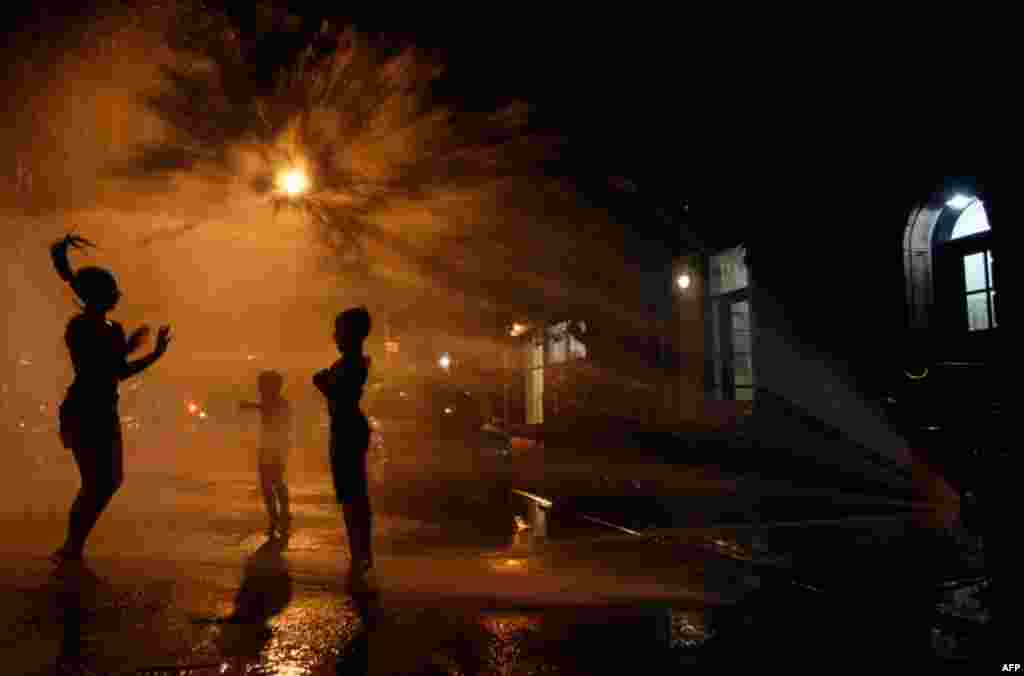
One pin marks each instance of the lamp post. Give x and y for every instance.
(959, 201)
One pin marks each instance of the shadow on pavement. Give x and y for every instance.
(266, 590)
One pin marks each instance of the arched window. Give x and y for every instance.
(971, 220)
(948, 260)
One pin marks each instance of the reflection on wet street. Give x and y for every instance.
(117, 618)
(465, 587)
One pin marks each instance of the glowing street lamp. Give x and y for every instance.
(959, 201)
(683, 281)
(445, 361)
(293, 182)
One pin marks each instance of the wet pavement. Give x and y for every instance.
(181, 576)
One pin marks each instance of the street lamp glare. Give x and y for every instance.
(683, 281)
(445, 361)
(293, 182)
(959, 201)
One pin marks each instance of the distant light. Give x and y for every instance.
(448, 410)
(683, 281)
(513, 562)
(202, 414)
(192, 407)
(25, 362)
(959, 201)
(251, 357)
(403, 395)
(293, 182)
(517, 329)
(445, 361)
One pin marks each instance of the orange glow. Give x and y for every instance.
(192, 407)
(293, 182)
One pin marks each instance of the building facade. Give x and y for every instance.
(809, 321)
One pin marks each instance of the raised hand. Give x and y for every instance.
(77, 242)
(163, 339)
(59, 254)
(138, 338)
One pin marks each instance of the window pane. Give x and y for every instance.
(991, 279)
(977, 312)
(742, 366)
(992, 301)
(728, 271)
(974, 271)
(972, 220)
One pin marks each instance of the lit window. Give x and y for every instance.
(971, 221)
(979, 290)
(731, 340)
(728, 271)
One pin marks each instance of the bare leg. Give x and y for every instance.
(281, 489)
(358, 522)
(267, 485)
(102, 472)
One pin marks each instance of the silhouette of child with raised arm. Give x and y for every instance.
(89, 422)
(342, 384)
(275, 442)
